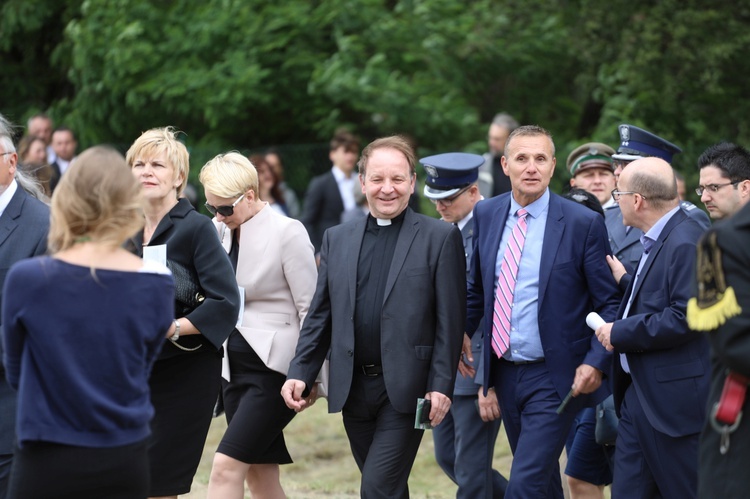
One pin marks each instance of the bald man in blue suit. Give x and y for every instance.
(661, 369)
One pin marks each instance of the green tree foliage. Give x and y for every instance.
(223, 71)
(247, 73)
(33, 68)
(440, 69)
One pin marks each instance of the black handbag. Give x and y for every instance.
(188, 293)
(606, 422)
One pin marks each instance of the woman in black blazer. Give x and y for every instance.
(185, 380)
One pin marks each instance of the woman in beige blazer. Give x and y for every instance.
(276, 273)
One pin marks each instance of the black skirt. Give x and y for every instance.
(256, 412)
(47, 470)
(184, 390)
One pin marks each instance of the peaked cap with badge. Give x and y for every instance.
(590, 155)
(450, 172)
(637, 143)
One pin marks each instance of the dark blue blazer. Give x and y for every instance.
(23, 233)
(669, 364)
(574, 279)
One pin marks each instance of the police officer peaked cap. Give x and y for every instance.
(636, 143)
(450, 172)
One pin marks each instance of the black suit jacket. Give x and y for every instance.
(192, 241)
(323, 207)
(55, 178)
(23, 234)
(423, 312)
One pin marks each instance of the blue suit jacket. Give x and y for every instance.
(23, 233)
(574, 279)
(669, 364)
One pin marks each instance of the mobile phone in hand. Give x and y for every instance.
(422, 418)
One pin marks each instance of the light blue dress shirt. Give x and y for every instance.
(525, 342)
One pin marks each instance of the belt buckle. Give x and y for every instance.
(364, 370)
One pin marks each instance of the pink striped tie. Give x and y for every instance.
(506, 284)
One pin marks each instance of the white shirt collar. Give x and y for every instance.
(64, 165)
(7, 195)
(340, 175)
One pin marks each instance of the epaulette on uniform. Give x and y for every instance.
(716, 302)
(687, 206)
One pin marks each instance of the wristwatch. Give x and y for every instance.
(176, 335)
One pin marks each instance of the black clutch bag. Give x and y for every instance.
(187, 290)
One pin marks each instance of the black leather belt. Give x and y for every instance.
(372, 370)
(523, 362)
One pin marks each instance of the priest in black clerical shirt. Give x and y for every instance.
(389, 312)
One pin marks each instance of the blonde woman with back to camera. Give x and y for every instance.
(82, 329)
(275, 266)
(186, 378)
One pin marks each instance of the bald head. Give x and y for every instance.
(654, 180)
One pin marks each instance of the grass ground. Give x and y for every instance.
(324, 466)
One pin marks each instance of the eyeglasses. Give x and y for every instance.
(223, 210)
(447, 202)
(616, 194)
(713, 187)
(6, 153)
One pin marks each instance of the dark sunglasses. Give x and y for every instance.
(223, 210)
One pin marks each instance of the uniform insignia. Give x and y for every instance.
(579, 197)
(624, 133)
(431, 171)
(716, 302)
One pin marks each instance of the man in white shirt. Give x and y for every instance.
(332, 193)
(64, 144)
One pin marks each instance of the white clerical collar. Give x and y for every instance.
(383, 221)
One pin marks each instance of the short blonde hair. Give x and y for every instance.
(229, 175)
(162, 140)
(98, 199)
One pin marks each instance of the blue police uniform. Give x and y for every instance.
(588, 461)
(464, 444)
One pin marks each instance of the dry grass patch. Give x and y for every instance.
(324, 466)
